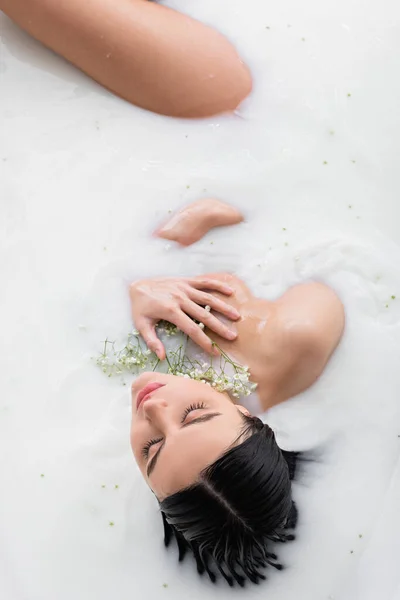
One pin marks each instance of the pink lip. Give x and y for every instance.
(145, 392)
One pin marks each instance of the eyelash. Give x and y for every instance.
(189, 409)
(146, 447)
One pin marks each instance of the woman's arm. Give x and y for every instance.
(148, 54)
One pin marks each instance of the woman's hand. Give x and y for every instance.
(176, 300)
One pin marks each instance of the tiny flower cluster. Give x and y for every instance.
(221, 373)
(166, 327)
(133, 357)
(237, 385)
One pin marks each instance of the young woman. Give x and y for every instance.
(148, 54)
(222, 482)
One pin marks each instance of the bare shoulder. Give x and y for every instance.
(314, 315)
(311, 293)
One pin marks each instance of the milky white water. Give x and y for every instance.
(84, 178)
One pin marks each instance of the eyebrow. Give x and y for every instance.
(202, 419)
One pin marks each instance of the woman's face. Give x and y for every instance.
(179, 427)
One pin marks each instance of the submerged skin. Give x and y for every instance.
(192, 222)
(148, 54)
(286, 345)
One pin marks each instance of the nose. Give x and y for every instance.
(156, 411)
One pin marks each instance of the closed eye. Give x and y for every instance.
(201, 419)
(191, 408)
(148, 445)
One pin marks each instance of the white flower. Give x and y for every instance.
(134, 359)
(207, 308)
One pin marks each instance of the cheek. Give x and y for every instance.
(135, 440)
(137, 453)
(139, 436)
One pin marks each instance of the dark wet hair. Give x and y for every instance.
(240, 505)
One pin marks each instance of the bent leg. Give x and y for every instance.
(148, 54)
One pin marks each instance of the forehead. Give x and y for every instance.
(188, 452)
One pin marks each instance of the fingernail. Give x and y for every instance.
(215, 351)
(232, 335)
(236, 313)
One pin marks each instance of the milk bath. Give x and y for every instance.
(312, 160)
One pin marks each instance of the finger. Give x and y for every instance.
(208, 283)
(147, 330)
(215, 303)
(202, 315)
(195, 333)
